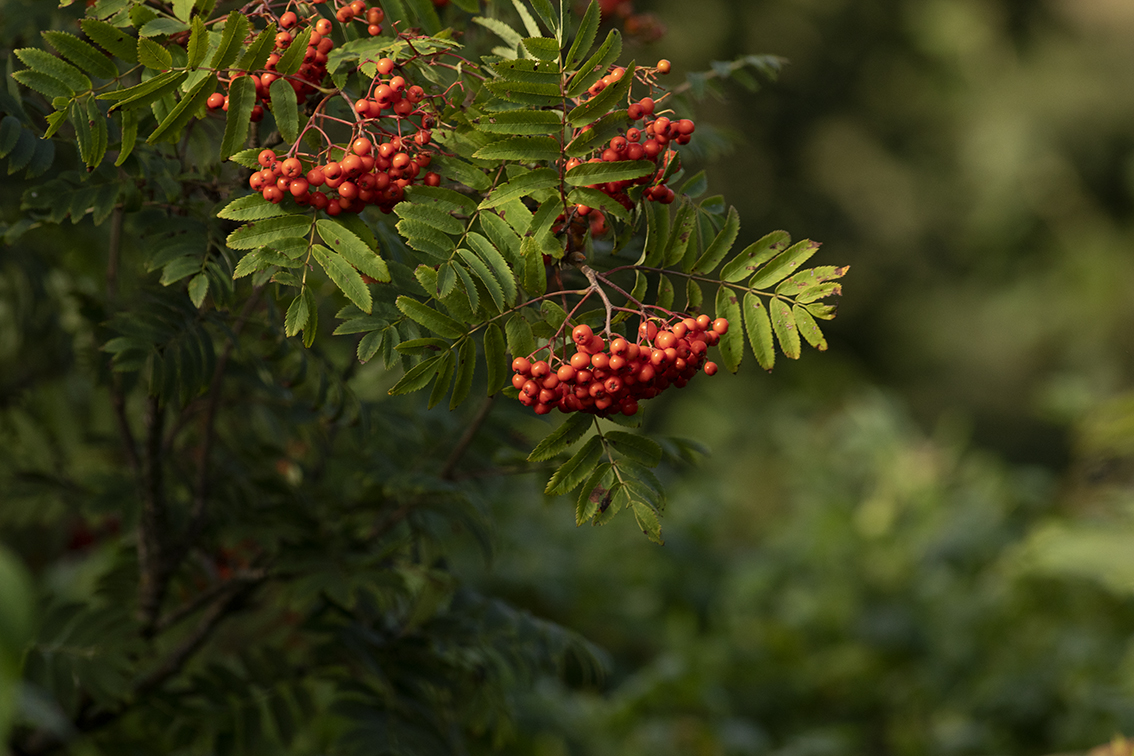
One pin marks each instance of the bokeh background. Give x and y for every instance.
(919, 542)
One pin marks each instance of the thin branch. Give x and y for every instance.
(152, 522)
(206, 597)
(114, 251)
(466, 438)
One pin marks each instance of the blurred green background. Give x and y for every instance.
(921, 541)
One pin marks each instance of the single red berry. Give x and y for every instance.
(374, 30)
(432, 179)
(521, 365)
(385, 66)
(216, 100)
(664, 66)
(288, 20)
(283, 39)
(360, 146)
(323, 26)
(266, 158)
(710, 368)
(581, 334)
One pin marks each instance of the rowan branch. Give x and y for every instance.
(152, 522)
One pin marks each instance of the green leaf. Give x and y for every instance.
(444, 376)
(484, 273)
(152, 55)
(241, 100)
(497, 263)
(591, 495)
(426, 15)
(161, 26)
(10, 129)
(806, 325)
(465, 367)
(129, 136)
(807, 282)
(185, 109)
(657, 233)
(732, 343)
(521, 341)
(435, 321)
(759, 329)
(575, 470)
(446, 200)
(292, 58)
(198, 44)
(754, 255)
(604, 101)
(112, 39)
(285, 109)
(48, 86)
(22, 153)
(44, 62)
(638, 448)
(647, 519)
(430, 215)
(422, 347)
(783, 323)
(521, 122)
(503, 237)
(468, 286)
(198, 288)
(259, 50)
(82, 54)
(250, 207)
(821, 291)
(494, 358)
(425, 238)
(598, 134)
(546, 12)
(693, 295)
(582, 195)
(596, 66)
(297, 315)
(542, 48)
(253, 235)
(511, 37)
(82, 125)
(784, 264)
(344, 276)
(525, 148)
(463, 173)
(521, 186)
(369, 345)
(97, 122)
(720, 245)
(418, 376)
(585, 38)
(232, 39)
(142, 95)
(562, 438)
(535, 272)
(683, 226)
(42, 161)
(353, 249)
(666, 292)
(599, 173)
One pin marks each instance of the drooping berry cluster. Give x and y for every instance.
(603, 378)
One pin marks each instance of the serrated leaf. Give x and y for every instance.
(591, 496)
(82, 125)
(48, 86)
(423, 347)
(198, 44)
(524, 148)
(546, 12)
(258, 51)
(129, 136)
(604, 101)
(81, 53)
(353, 249)
(497, 263)
(484, 273)
(99, 138)
(595, 67)
(418, 376)
(284, 109)
(466, 365)
(198, 288)
(562, 438)
(503, 237)
(693, 295)
(247, 158)
(732, 343)
(435, 321)
(10, 129)
(593, 198)
(598, 173)
(521, 186)
(297, 315)
(806, 281)
(542, 48)
(511, 37)
(292, 58)
(639, 448)
(431, 215)
(344, 275)
(444, 377)
(535, 271)
(494, 358)
(369, 345)
(783, 323)
(666, 293)
(468, 286)
(241, 100)
(647, 520)
(806, 325)
(161, 26)
(112, 39)
(185, 109)
(152, 55)
(683, 227)
(446, 200)
(598, 134)
(521, 122)
(425, 238)
(259, 233)
(585, 38)
(720, 245)
(521, 341)
(755, 255)
(759, 330)
(147, 92)
(575, 470)
(232, 38)
(462, 173)
(784, 264)
(249, 208)
(46, 63)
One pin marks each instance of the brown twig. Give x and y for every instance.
(152, 522)
(466, 438)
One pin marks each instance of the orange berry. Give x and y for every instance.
(664, 66)
(360, 146)
(288, 20)
(385, 66)
(720, 326)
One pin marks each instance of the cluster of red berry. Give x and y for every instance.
(604, 378)
(364, 176)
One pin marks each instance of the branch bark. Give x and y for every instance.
(152, 564)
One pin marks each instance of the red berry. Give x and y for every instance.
(216, 100)
(664, 66)
(581, 334)
(266, 158)
(720, 326)
(288, 20)
(710, 368)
